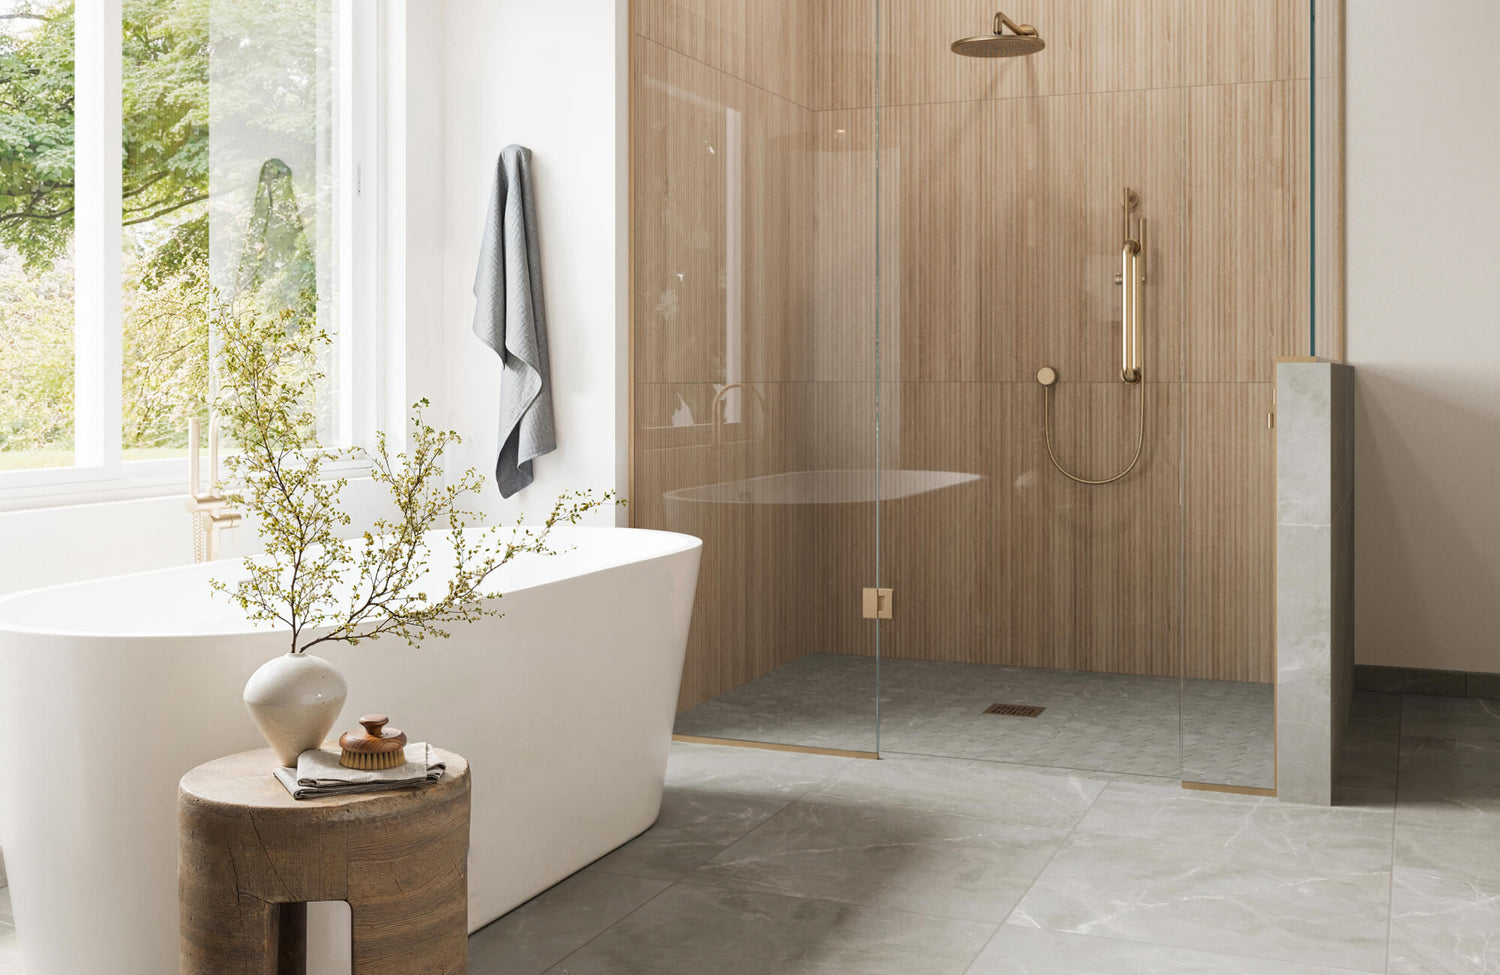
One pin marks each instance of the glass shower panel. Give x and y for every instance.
(888, 305)
(1037, 618)
(1124, 626)
(753, 364)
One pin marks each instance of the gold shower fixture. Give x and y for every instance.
(1132, 280)
(1022, 40)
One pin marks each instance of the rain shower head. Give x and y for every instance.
(1022, 39)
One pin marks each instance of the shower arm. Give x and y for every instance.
(1021, 30)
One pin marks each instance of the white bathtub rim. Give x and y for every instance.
(680, 542)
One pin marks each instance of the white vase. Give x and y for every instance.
(295, 699)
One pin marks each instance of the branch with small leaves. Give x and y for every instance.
(311, 580)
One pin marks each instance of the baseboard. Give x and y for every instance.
(1416, 680)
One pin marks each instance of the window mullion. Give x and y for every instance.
(97, 236)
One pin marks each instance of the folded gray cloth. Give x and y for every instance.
(319, 774)
(510, 318)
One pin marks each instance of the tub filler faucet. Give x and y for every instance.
(209, 509)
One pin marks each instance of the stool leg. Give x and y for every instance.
(414, 934)
(291, 942)
(227, 935)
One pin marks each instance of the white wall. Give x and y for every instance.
(550, 76)
(1424, 330)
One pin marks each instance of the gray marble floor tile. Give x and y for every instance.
(1369, 759)
(1357, 838)
(1442, 836)
(1462, 774)
(983, 790)
(697, 930)
(749, 771)
(1369, 762)
(1366, 777)
(887, 856)
(1374, 706)
(1467, 718)
(693, 827)
(1306, 910)
(1028, 951)
(550, 926)
(1444, 925)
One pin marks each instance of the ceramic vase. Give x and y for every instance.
(295, 699)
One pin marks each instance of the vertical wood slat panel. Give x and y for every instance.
(1229, 496)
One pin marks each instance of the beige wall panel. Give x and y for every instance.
(772, 44)
(944, 552)
(1116, 545)
(1229, 519)
(776, 243)
(1092, 45)
(1025, 567)
(841, 333)
(710, 275)
(678, 198)
(1002, 233)
(1248, 214)
(850, 45)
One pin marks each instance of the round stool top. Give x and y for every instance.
(246, 781)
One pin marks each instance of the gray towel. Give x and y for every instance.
(509, 318)
(319, 773)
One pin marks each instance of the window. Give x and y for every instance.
(158, 157)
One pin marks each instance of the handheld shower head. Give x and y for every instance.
(1022, 40)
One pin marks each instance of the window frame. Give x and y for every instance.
(100, 472)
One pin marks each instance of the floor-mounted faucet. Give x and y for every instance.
(209, 509)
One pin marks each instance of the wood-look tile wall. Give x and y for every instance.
(756, 129)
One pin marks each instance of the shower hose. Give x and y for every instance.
(1140, 438)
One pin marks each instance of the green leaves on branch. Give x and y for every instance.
(325, 588)
(164, 118)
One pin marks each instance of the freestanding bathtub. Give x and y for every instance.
(110, 690)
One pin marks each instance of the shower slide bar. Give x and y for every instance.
(1132, 279)
(1132, 276)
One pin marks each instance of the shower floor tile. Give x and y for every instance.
(1210, 731)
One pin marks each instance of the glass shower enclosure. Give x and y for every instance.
(962, 368)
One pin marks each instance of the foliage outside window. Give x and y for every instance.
(198, 216)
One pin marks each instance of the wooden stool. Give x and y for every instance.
(250, 857)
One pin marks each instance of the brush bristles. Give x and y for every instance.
(372, 761)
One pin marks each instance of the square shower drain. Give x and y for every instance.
(1015, 710)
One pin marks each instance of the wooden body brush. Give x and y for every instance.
(376, 749)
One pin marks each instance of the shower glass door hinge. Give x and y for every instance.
(877, 604)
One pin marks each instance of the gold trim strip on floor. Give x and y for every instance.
(1238, 790)
(774, 747)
